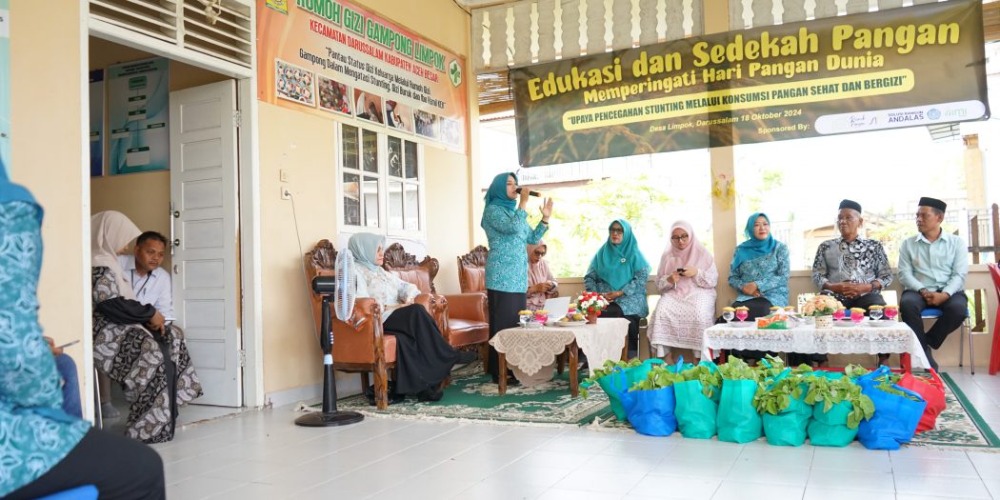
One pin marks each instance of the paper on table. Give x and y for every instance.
(557, 307)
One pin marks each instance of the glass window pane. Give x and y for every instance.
(769, 180)
(352, 203)
(395, 205)
(411, 160)
(412, 206)
(395, 156)
(369, 148)
(371, 201)
(349, 137)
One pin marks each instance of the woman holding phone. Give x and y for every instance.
(542, 285)
(686, 279)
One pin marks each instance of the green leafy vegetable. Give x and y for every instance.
(831, 392)
(775, 398)
(710, 379)
(608, 368)
(658, 378)
(737, 369)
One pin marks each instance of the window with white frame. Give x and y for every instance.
(382, 181)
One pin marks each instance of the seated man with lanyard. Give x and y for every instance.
(851, 268)
(151, 284)
(150, 281)
(932, 269)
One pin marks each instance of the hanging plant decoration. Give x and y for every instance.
(724, 190)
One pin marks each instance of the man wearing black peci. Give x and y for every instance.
(932, 269)
(851, 268)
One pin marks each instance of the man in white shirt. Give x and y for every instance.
(151, 285)
(150, 282)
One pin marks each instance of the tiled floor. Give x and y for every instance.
(264, 455)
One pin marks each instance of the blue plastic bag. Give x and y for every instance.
(651, 412)
(896, 417)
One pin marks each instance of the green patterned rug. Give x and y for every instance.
(473, 396)
(959, 425)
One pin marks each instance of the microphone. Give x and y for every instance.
(530, 193)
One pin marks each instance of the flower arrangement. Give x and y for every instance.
(591, 303)
(821, 305)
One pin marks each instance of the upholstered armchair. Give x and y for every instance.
(360, 345)
(465, 320)
(472, 270)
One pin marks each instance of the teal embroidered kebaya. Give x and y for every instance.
(35, 434)
(509, 234)
(623, 268)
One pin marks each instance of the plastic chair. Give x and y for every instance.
(86, 492)
(995, 351)
(966, 329)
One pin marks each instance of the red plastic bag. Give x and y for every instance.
(932, 390)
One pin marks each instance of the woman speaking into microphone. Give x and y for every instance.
(507, 231)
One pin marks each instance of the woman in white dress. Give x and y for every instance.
(686, 278)
(423, 358)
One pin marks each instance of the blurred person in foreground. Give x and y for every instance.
(44, 450)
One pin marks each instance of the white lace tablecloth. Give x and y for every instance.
(897, 338)
(531, 349)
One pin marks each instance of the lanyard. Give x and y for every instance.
(138, 292)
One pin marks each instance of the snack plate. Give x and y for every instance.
(846, 323)
(882, 323)
(742, 324)
(569, 323)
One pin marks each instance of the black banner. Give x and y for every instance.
(903, 67)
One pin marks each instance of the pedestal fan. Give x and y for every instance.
(342, 288)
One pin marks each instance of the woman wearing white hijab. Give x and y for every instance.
(686, 279)
(131, 344)
(423, 358)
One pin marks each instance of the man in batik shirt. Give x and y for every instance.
(851, 268)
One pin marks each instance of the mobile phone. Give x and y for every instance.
(67, 344)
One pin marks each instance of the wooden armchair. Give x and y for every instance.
(472, 270)
(465, 323)
(360, 345)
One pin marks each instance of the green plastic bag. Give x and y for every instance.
(830, 428)
(613, 384)
(738, 420)
(696, 413)
(788, 427)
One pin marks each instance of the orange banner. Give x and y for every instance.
(335, 58)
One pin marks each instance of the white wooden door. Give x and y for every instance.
(204, 200)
